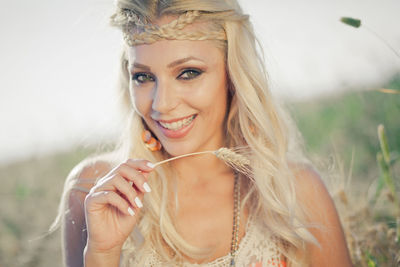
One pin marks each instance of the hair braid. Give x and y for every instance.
(136, 31)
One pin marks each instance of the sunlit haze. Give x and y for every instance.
(59, 63)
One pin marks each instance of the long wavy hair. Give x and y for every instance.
(254, 119)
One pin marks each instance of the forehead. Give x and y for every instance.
(166, 51)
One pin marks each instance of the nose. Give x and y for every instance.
(164, 97)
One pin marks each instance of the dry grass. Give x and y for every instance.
(236, 158)
(368, 218)
(29, 194)
(31, 189)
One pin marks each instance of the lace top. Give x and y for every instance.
(256, 249)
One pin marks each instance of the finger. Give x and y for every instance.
(134, 176)
(141, 164)
(110, 198)
(119, 184)
(124, 187)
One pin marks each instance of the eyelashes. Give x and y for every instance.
(187, 74)
(141, 77)
(190, 74)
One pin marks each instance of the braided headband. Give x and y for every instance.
(136, 31)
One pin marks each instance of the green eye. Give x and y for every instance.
(142, 77)
(190, 74)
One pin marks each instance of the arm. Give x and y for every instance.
(74, 235)
(321, 210)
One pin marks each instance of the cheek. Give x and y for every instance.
(211, 97)
(141, 100)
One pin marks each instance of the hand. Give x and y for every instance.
(112, 206)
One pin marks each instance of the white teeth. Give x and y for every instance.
(177, 125)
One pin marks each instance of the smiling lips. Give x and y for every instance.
(177, 128)
(176, 125)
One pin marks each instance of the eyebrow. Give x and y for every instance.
(170, 65)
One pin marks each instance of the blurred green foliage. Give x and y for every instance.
(30, 193)
(385, 163)
(345, 127)
(346, 123)
(351, 21)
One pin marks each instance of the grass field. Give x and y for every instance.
(339, 132)
(342, 139)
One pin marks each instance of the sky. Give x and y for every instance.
(59, 62)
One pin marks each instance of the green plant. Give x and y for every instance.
(356, 23)
(385, 160)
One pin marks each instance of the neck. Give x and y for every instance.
(201, 169)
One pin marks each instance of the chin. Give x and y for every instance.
(178, 149)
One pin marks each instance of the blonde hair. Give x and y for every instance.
(254, 119)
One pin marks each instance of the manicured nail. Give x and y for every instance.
(138, 202)
(146, 187)
(131, 212)
(150, 165)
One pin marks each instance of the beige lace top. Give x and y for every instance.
(256, 249)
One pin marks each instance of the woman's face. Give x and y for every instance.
(179, 88)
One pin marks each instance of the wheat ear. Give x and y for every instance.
(233, 159)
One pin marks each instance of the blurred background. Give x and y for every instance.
(58, 69)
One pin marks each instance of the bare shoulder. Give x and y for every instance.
(85, 173)
(80, 180)
(313, 195)
(310, 188)
(322, 215)
(93, 166)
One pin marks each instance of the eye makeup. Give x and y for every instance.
(185, 74)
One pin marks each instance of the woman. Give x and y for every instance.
(192, 81)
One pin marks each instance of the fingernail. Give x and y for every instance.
(146, 187)
(150, 165)
(138, 202)
(131, 212)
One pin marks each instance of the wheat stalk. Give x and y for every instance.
(233, 158)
